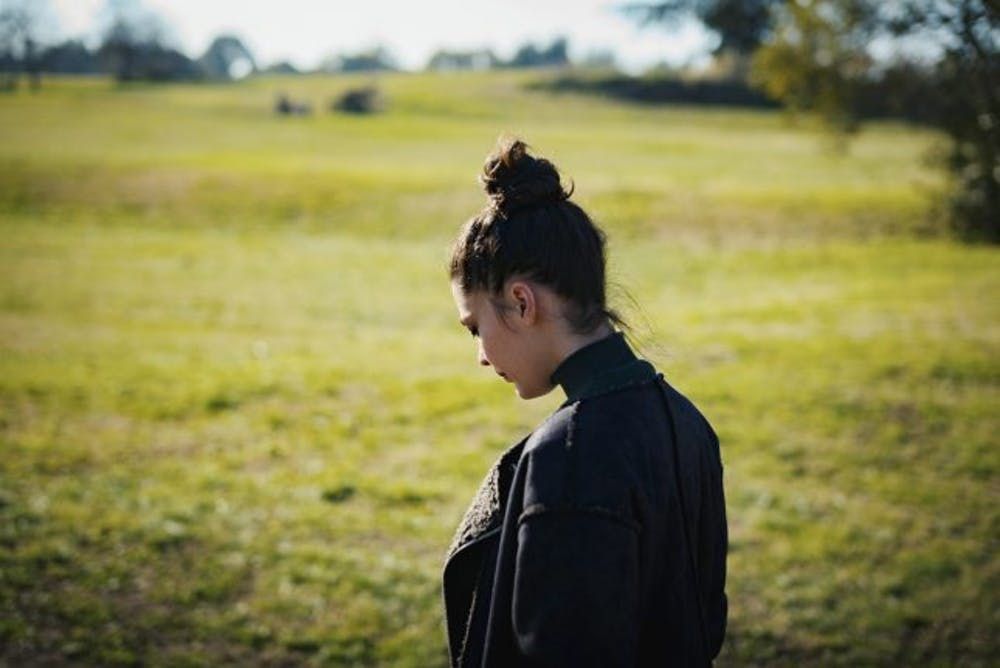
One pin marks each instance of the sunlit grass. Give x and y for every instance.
(240, 422)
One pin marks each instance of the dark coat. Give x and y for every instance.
(578, 550)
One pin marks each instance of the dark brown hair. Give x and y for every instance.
(530, 228)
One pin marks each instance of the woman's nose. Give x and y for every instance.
(482, 356)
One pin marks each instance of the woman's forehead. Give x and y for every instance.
(468, 303)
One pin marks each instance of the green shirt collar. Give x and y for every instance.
(600, 367)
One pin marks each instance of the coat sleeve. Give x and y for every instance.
(576, 581)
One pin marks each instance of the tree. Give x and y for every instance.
(554, 55)
(71, 57)
(818, 55)
(968, 75)
(22, 23)
(741, 25)
(134, 46)
(818, 58)
(227, 58)
(281, 67)
(132, 30)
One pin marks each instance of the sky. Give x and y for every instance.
(304, 32)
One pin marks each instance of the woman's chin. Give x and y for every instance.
(531, 392)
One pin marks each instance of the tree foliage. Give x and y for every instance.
(227, 58)
(742, 25)
(134, 46)
(22, 25)
(70, 57)
(817, 57)
(821, 55)
(968, 78)
(555, 54)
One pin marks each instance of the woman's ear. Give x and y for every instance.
(524, 299)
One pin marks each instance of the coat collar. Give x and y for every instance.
(600, 367)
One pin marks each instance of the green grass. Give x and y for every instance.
(239, 421)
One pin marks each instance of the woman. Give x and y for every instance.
(600, 539)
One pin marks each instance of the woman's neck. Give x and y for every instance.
(573, 342)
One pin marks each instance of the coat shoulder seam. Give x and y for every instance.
(536, 510)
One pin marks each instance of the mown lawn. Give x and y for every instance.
(239, 420)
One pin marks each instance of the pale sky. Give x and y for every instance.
(305, 31)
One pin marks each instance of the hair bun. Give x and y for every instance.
(514, 179)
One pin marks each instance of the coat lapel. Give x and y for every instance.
(463, 569)
(485, 513)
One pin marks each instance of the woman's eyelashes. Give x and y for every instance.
(474, 332)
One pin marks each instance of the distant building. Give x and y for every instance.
(448, 61)
(378, 59)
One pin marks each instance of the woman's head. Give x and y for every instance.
(530, 255)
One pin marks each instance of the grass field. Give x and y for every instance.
(239, 420)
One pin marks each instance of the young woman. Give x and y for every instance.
(599, 539)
